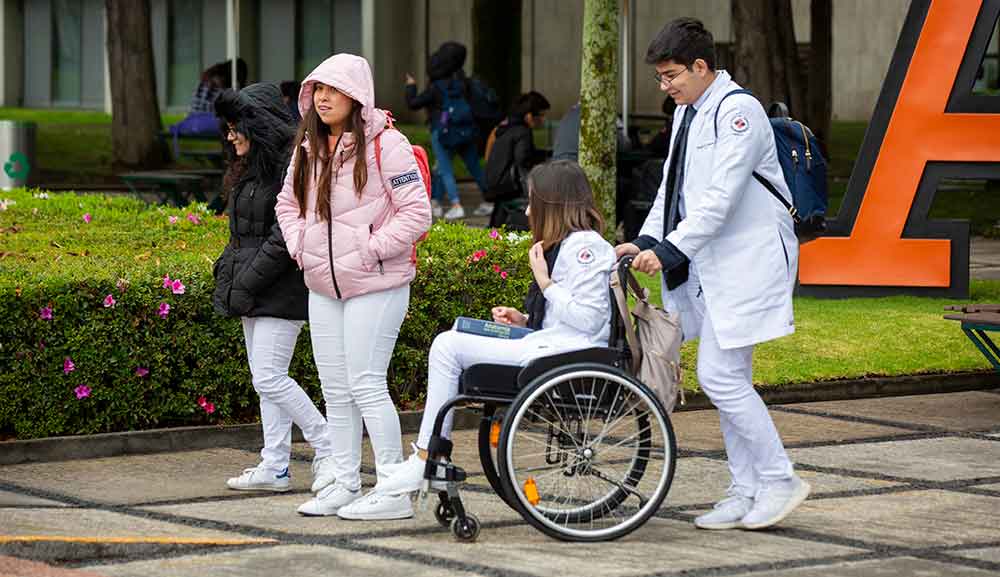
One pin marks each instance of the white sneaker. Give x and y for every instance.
(727, 513)
(376, 506)
(322, 468)
(260, 478)
(455, 212)
(407, 477)
(436, 210)
(484, 209)
(774, 501)
(328, 501)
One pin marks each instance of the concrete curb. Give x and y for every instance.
(194, 438)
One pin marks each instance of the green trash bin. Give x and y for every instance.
(17, 151)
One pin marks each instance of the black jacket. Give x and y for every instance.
(255, 276)
(511, 158)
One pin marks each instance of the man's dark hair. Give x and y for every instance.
(683, 40)
(532, 102)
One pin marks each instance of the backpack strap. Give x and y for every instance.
(622, 283)
(763, 181)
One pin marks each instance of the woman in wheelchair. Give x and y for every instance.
(568, 306)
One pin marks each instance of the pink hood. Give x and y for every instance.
(351, 75)
(366, 245)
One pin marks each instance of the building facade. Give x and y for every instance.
(53, 51)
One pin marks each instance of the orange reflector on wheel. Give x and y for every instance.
(531, 491)
(495, 434)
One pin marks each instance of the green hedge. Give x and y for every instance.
(50, 258)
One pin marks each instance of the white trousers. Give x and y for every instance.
(270, 344)
(753, 446)
(352, 343)
(452, 352)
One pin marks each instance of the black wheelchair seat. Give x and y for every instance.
(504, 381)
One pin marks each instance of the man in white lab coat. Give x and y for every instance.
(729, 256)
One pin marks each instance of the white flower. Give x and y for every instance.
(5, 203)
(41, 195)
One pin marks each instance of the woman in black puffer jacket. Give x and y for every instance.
(257, 281)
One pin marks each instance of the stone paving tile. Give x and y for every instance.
(700, 429)
(11, 566)
(898, 567)
(285, 560)
(991, 554)
(911, 519)
(940, 459)
(970, 411)
(142, 478)
(699, 480)
(8, 499)
(96, 523)
(278, 513)
(660, 545)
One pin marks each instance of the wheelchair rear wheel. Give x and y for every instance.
(586, 453)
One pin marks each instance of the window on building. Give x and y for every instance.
(988, 77)
(67, 48)
(325, 27)
(184, 50)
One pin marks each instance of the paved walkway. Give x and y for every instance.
(902, 486)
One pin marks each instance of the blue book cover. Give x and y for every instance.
(490, 329)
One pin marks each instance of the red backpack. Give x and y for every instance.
(423, 165)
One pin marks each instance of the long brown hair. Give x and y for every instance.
(560, 202)
(314, 129)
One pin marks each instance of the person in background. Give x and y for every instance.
(257, 281)
(454, 131)
(511, 152)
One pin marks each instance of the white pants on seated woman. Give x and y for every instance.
(453, 352)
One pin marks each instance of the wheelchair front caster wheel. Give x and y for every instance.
(445, 514)
(466, 531)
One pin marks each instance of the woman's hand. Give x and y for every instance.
(410, 80)
(509, 316)
(536, 258)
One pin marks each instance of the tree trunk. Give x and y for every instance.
(598, 102)
(497, 49)
(821, 70)
(135, 113)
(765, 53)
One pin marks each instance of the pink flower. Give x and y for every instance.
(494, 234)
(109, 301)
(68, 366)
(163, 311)
(82, 392)
(122, 284)
(207, 406)
(166, 281)
(177, 287)
(193, 218)
(478, 255)
(172, 219)
(41, 345)
(45, 313)
(503, 274)
(141, 371)
(87, 218)
(496, 268)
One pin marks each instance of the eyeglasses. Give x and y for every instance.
(669, 77)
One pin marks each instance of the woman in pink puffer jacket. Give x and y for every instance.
(351, 228)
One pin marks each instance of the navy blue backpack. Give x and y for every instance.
(804, 168)
(457, 123)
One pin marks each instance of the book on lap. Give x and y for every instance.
(490, 329)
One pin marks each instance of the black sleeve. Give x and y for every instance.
(417, 101)
(270, 262)
(670, 256)
(524, 155)
(645, 242)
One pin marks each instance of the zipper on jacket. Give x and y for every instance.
(329, 229)
(371, 230)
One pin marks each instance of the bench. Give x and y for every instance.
(976, 321)
(169, 185)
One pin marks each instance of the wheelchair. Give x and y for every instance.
(576, 445)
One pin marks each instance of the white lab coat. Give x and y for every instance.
(738, 236)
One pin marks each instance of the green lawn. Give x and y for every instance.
(859, 337)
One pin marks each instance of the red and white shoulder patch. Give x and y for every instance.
(585, 256)
(739, 123)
